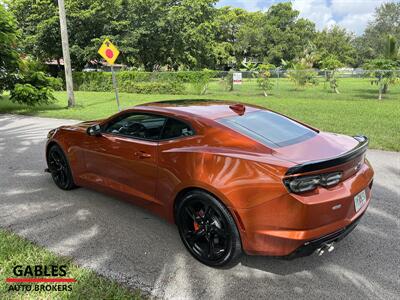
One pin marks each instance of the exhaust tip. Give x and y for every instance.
(325, 247)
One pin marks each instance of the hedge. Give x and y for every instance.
(144, 82)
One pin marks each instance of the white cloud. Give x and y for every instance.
(356, 23)
(252, 5)
(353, 15)
(354, 7)
(317, 11)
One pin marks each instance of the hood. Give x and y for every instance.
(81, 127)
(320, 147)
(87, 124)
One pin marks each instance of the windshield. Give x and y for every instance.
(269, 128)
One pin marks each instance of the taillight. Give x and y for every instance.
(303, 184)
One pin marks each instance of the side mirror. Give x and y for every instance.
(94, 130)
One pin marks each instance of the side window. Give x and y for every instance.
(175, 128)
(142, 126)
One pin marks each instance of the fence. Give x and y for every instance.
(222, 82)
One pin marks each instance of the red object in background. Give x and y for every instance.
(109, 53)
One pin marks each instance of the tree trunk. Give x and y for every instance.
(336, 90)
(265, 94)
(385, 88)
(380, 94)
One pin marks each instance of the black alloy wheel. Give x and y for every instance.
(208, 230)
(59, 168)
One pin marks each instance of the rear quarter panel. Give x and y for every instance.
(236, 172)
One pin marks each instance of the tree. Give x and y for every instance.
(191, 32)
(266, 37)
(335, 41)
(330, 64)
(392, 50)
(9, 57)
(286, 36)
(264, 80)
(372, 44)
(88, 20)
(300, 70)
(384, 73)
(40, 27)
(228, 22)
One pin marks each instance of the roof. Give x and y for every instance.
(209, 109)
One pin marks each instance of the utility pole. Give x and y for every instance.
(65, 49)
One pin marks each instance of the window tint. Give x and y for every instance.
(142, 126)
(269, 128)
(175, 128)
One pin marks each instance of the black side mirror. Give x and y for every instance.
(94, 130)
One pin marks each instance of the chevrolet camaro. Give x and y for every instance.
(233, 177)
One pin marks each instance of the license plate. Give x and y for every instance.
(359, 200)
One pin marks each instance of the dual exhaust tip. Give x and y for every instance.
(328, 247)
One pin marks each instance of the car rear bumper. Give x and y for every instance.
(293, 225)
(310, 247)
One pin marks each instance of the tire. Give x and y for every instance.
(59, 168)
(208, 230)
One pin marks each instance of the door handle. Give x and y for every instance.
(141, 154)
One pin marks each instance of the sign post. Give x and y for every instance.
(110, 53)
(115, 85)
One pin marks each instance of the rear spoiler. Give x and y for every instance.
(338, 160)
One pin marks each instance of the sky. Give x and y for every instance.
(353, 15)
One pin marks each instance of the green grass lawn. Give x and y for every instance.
(17, 251)
(355, 110)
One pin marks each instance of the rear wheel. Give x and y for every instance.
(207, 229)
(59, 168)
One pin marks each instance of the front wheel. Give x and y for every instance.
(208, 230)
(59, 168)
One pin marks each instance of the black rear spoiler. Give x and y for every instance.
(338, 160)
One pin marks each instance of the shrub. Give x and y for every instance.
(264, 78)
(331, 64)
(31, 95)
(144, 82)
(301, 76)
(34, 88)
(92, 81)
(201, 80)
(152, 87)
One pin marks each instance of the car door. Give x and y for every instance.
(124, 157)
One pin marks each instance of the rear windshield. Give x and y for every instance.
(269, 128)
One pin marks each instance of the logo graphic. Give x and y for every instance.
(40, 278)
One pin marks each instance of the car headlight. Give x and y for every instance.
(303, 184)
(51, 133)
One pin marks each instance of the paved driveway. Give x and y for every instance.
(126, 243)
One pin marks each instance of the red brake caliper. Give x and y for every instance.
(195, 225)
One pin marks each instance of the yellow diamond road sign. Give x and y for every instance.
(108, 51)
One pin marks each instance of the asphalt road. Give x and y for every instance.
(126, 243)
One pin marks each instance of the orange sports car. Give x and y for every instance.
(233, 177)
